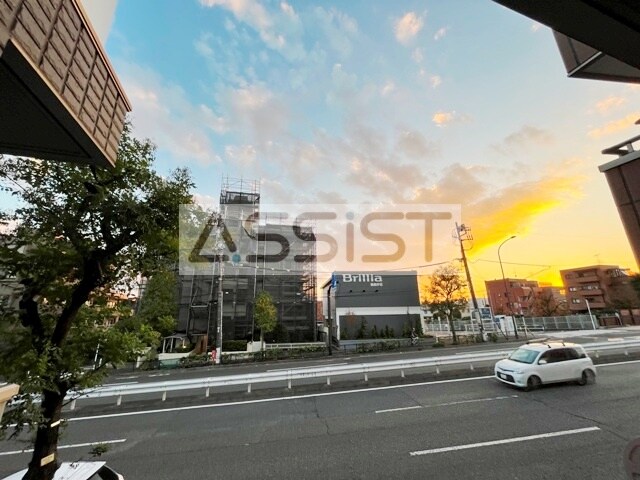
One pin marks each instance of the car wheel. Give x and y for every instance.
(533, 382)
(588, 378)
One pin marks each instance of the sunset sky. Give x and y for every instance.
(458, 102)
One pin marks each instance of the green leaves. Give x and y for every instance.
(79, 235)
(265, 312)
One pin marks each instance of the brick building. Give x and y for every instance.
(602, 286)
(524, 297)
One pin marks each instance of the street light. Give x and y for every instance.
(504, 281)
(590, 316)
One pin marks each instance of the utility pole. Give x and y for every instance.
(329, 339)
(506, 290)
(218, 359)
(220, 305)
(464, 233)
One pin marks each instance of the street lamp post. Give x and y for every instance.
(506, 292)
(593, 324)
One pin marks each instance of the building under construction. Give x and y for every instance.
(252, 241)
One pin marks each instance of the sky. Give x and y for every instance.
(425, 102)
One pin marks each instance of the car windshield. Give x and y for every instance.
(523, 355)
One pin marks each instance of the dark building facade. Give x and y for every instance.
(384, 300)
(290, 283)
(623, 176)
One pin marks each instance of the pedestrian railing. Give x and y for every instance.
(326, 373)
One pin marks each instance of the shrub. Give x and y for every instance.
(234, 346)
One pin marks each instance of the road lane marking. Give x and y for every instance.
(600, 365)
(504, 441)
(448, 404)
(276, 399)
(75, 445)
(116, 384)
(305, 368)
(128, 378)
(399, 409)
(159, 374)
(293, 397)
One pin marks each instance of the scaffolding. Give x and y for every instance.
(209, 297)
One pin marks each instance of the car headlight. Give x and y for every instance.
(519, 372)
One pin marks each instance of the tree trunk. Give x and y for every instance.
(46, 443)
(454, 337)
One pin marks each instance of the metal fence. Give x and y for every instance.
(568, 322)
(326, 373)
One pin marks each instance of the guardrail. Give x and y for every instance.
(327, 372)
(290, 346)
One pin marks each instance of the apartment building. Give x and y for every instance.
(520, 296)
(511, 295)
(601, 286)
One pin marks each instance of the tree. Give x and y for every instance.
(79, 233)
(266, 314)
(545, 304)
(158, 305)
(445, 294)
(362, 330)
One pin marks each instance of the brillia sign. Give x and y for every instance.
(374, 280)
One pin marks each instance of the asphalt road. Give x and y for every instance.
(127, 377)
(453, 429)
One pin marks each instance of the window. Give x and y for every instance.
(576, 300)
(571, 354)
(573, 289)
(523, 355)
(554, 356)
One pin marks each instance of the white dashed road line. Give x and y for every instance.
(504, 441)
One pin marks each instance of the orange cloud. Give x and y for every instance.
(615, 126)
(512, 209)
(603, 106)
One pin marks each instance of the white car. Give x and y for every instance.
(533, 364)
(78, 471)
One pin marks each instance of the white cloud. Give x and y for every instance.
(435, 80)
(523, 138)
(440, 33)
(205, 201)
(243, 156)
(414, 145)
(163, 113)
(279, 29)
(339, 29)
(535, 26)
(254, 112)
(388, 88)
(442, 119)
(407, 27)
